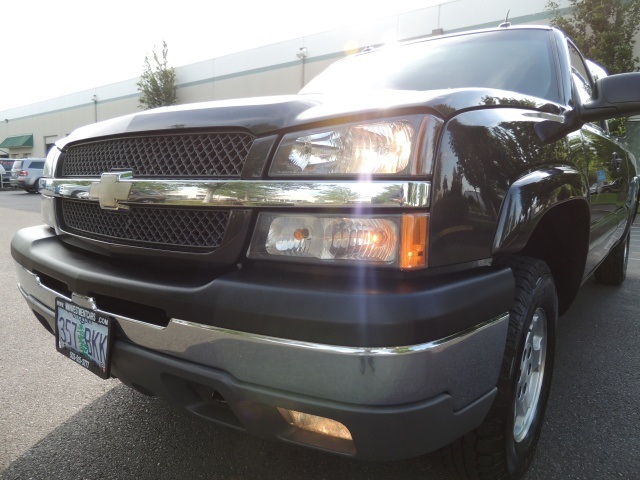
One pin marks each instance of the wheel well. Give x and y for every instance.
(561, 239)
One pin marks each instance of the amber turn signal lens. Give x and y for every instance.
(413, 250)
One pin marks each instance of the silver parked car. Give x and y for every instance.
(6, 164)
(26, 173)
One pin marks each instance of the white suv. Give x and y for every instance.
(26, 173)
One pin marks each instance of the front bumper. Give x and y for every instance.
(398, 400)
(26, 182)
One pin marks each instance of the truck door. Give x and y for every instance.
(607, 172)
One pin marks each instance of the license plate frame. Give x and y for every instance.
(90, 350)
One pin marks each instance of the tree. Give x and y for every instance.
(603, 30)
(158, 83)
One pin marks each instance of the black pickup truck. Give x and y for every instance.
(373, 267)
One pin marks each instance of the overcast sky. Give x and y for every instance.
(51, 48)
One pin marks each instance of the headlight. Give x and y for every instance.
(389, 240)
(386, 147)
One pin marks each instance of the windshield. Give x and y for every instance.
(515, 60)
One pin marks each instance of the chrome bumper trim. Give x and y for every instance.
(250, 193)
(465, 365)
(339, 349)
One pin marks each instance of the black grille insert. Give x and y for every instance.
(180, 230)
(185, 155)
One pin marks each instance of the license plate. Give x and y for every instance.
(84, 336)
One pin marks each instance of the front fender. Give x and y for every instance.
(494, 174)
(527, 201)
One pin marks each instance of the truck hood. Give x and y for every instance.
(268, 115)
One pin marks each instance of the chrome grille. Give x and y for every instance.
(185, 155)
(180, 230)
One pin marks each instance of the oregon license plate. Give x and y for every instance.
(84, 336)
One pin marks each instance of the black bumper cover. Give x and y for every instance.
(364, 308)
(378, 432)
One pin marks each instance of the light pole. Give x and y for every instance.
(94, 99)
(302, 55)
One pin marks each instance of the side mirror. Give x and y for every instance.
(613, 96)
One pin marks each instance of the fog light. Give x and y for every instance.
(313, 423)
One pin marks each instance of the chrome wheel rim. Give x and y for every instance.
(531, 375)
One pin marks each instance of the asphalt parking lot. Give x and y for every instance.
(59, 421)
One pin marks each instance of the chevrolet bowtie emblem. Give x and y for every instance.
(111, 189)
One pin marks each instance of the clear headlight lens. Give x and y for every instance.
(395, 240)
(382, 147)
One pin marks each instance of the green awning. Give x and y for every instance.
(17, 141)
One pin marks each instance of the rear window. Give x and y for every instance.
(516, 60)
(17, 165)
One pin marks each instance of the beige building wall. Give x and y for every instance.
(276, 69)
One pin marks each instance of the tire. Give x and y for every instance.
(613, 270)
(504, 445)
(35, 188)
